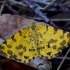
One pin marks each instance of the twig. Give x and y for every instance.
(18, 3)
(60, 58)
(4, 2)
(1, 1)
(38, 18)
(37, 11)
(63, 59)
(49, 4)
(66, 3)
(60, 19)
(41, 2)
(11, 10)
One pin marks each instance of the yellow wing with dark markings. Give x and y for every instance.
(37, 40)
(51, 41)
(21, 46)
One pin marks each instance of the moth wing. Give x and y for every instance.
(21, 46)
(49, 41)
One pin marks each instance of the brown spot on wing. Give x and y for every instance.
(48, 45)
(26, 57)
(1, 47)
(20, 53)
(33, 58)
(46, 27)
(19, 47)
(5, 42)
(52, 41)
(49, 53)
(13, 38)
(63, 43)
(54, 47)
(62, 36)
(31, 50)
(40, 48)
(9, 46)
(44, 32)
(55, 30)
(41, 42)
(9, 52)
(24, 36)
(20, 33)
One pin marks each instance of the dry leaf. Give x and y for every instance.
(10, 24)
(8, 64)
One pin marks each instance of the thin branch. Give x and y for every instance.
(4, 2)
(63, 59)
(65, 3)
(40, 2)
(37, 11)
(60, 19)
(49, 4)
(20, 3)
(60, 58)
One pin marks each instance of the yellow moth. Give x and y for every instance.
(33, 41)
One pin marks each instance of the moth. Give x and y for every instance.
(33, 41)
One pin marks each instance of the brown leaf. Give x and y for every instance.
(8, 64)
(10, 24)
